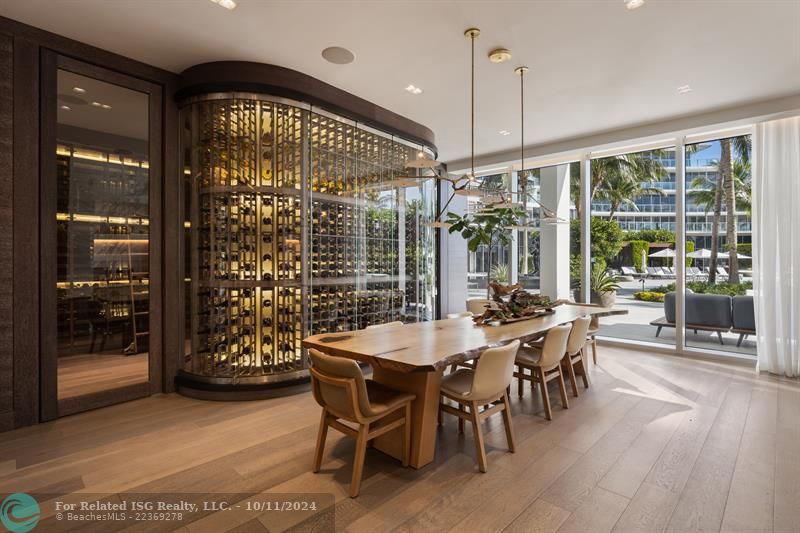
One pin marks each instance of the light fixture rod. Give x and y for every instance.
(472, 33)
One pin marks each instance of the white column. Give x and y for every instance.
(452, 260)
(554, 253)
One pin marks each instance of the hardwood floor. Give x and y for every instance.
(657, 443)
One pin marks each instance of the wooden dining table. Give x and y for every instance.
(412, 358)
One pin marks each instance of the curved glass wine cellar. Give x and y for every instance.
(297, 222)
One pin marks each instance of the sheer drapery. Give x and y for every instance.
(776, 244)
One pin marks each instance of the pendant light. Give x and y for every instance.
(550, 216)
(463, 189)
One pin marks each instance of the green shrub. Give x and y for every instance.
(606, 238)
(649, 296)
(650, 235)
(746, 249)
(689, 249)
(730, 289)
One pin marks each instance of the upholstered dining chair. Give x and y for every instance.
(575, 355)
(463, 314)
(477, 306)
(340, 389)
(486, 387)
(386, 325)
(544, 365)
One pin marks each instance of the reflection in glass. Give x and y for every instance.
(103, 236)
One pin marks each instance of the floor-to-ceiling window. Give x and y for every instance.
(633, 243)
(719, 303)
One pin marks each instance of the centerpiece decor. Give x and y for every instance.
(512, 303)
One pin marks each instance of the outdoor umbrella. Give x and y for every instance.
(666, 252)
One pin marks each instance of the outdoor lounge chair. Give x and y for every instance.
(722, 273)
(630, 271)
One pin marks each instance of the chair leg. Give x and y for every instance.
(719, 336)
(439, 414)
(321, 436)
(453, 367)
(507, 422)
(563, 387)
(741, 338)
(519, 381)
(478, 432)
(460, 420)
(584, 373)
(407, 435)
(571, 373)
(594, 349)
(548, 413)
(358, 462)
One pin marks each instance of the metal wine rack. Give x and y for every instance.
(295, 225)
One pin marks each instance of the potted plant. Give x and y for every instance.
(603, 287)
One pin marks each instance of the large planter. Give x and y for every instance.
(606, 299)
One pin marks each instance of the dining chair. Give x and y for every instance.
(574, 355)
(339, 387)
(544, 365)
(386, 325)
(477, 306)
(463, 314)
(486, 387)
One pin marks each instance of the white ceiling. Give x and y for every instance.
(595, 66)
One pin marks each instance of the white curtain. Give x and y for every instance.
(776, 245)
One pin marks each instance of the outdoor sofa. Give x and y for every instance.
(711, 312)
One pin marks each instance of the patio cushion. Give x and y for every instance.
(702, 309)
(744, 317)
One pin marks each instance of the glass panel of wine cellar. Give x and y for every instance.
(102, 236)
(296, 223)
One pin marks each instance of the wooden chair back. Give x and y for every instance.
(338, 385)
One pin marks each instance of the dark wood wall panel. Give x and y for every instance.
(6, 229)
(26, 232)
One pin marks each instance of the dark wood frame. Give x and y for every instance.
(51, 407)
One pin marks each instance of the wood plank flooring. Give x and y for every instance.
(657, 443)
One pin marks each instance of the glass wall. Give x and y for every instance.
(297, 223)
(487, 262)
(102, 236)
(633, 243)
(719, 277)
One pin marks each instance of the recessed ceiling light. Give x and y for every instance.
(338, 55)
(97, 104)
(105, 106)
(504, 132)
(79, 90)
(413, 89)
(66, 107)
(633, 4)
(227, 4)
(683, 89)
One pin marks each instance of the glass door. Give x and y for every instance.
(99, 282)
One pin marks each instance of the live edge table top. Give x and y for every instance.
(434, 345)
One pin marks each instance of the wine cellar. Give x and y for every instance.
(297, 222)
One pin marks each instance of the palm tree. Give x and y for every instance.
(622, 190)
(740, 145)
(608, 172)
(707, 192)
